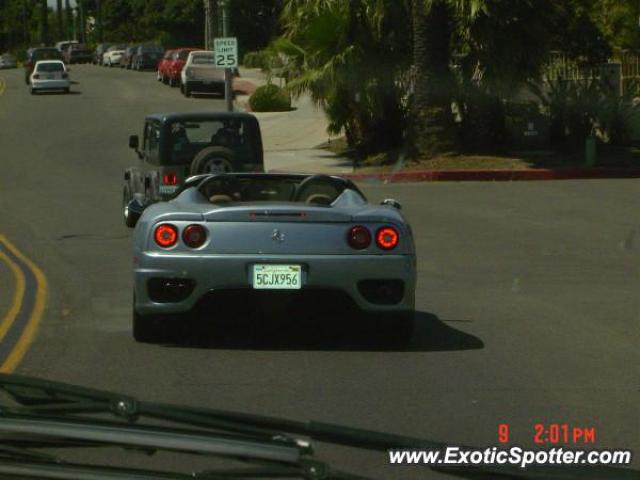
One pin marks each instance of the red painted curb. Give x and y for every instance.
(498, 175)
(491, 175)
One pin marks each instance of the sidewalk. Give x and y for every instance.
(290, 138)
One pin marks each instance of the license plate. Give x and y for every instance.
(277, 277)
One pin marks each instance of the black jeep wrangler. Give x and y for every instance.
(176, 146)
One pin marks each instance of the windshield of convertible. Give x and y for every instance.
(188, 138)
(314, 190)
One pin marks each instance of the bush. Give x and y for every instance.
(270, 98)
(256, 60)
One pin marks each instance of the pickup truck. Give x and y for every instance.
(201, 75)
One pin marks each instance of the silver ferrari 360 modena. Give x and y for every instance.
(262, 235)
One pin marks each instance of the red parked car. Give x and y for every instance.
(170, 68)
(162, 74)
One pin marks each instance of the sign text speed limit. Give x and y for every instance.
(226, 52)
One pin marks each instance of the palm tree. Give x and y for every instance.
(432, 128)
(498, 47)
(350, 56)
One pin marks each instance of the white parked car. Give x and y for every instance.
(201, 75)
(112, 57)
(50, 75)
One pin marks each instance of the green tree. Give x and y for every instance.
(618, 21)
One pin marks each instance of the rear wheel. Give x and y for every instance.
(126, 198)
(148, 328)
(187, 91)
(213, 160)
(67, 90)
(32, 91)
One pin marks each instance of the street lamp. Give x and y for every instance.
(74, 14)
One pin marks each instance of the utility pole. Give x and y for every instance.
(207, 14)
(69, 23)
(228, 73)
(82, 27)
(209, 23)
(59, 21)
(44, 23)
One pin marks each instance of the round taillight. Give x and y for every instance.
(194, 236)
(166, 235)
(387, 238)
(359, 237)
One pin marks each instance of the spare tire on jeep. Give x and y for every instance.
(214, 160)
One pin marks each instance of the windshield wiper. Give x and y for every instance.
(51, 414)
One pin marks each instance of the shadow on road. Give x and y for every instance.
(336, 334)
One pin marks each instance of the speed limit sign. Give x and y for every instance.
(226, 52)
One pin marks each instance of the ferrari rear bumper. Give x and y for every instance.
(175, 283)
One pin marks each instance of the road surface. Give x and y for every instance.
(527, 294)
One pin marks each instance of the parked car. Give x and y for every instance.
(8, 61)
(49, 75)
(77, 53)
(234, 240)
(99, 52)
(162, 65)
(127, 58)
(147, 57)
(36, 54)
(114, 62)
(62, 46)
(112, 58)
(172, 68)
(201, 75)
(178, 145)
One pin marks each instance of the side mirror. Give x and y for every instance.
(390, 202)
(134, 142)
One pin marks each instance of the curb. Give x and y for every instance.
(498, 175)
(491, 175)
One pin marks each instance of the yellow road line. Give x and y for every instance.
(18, 295)
(3, 86)
(29, 332)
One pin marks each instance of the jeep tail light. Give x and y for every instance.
(166, 235)
(194, 236)
(359, 237)
(387, 238)
(170, 178)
